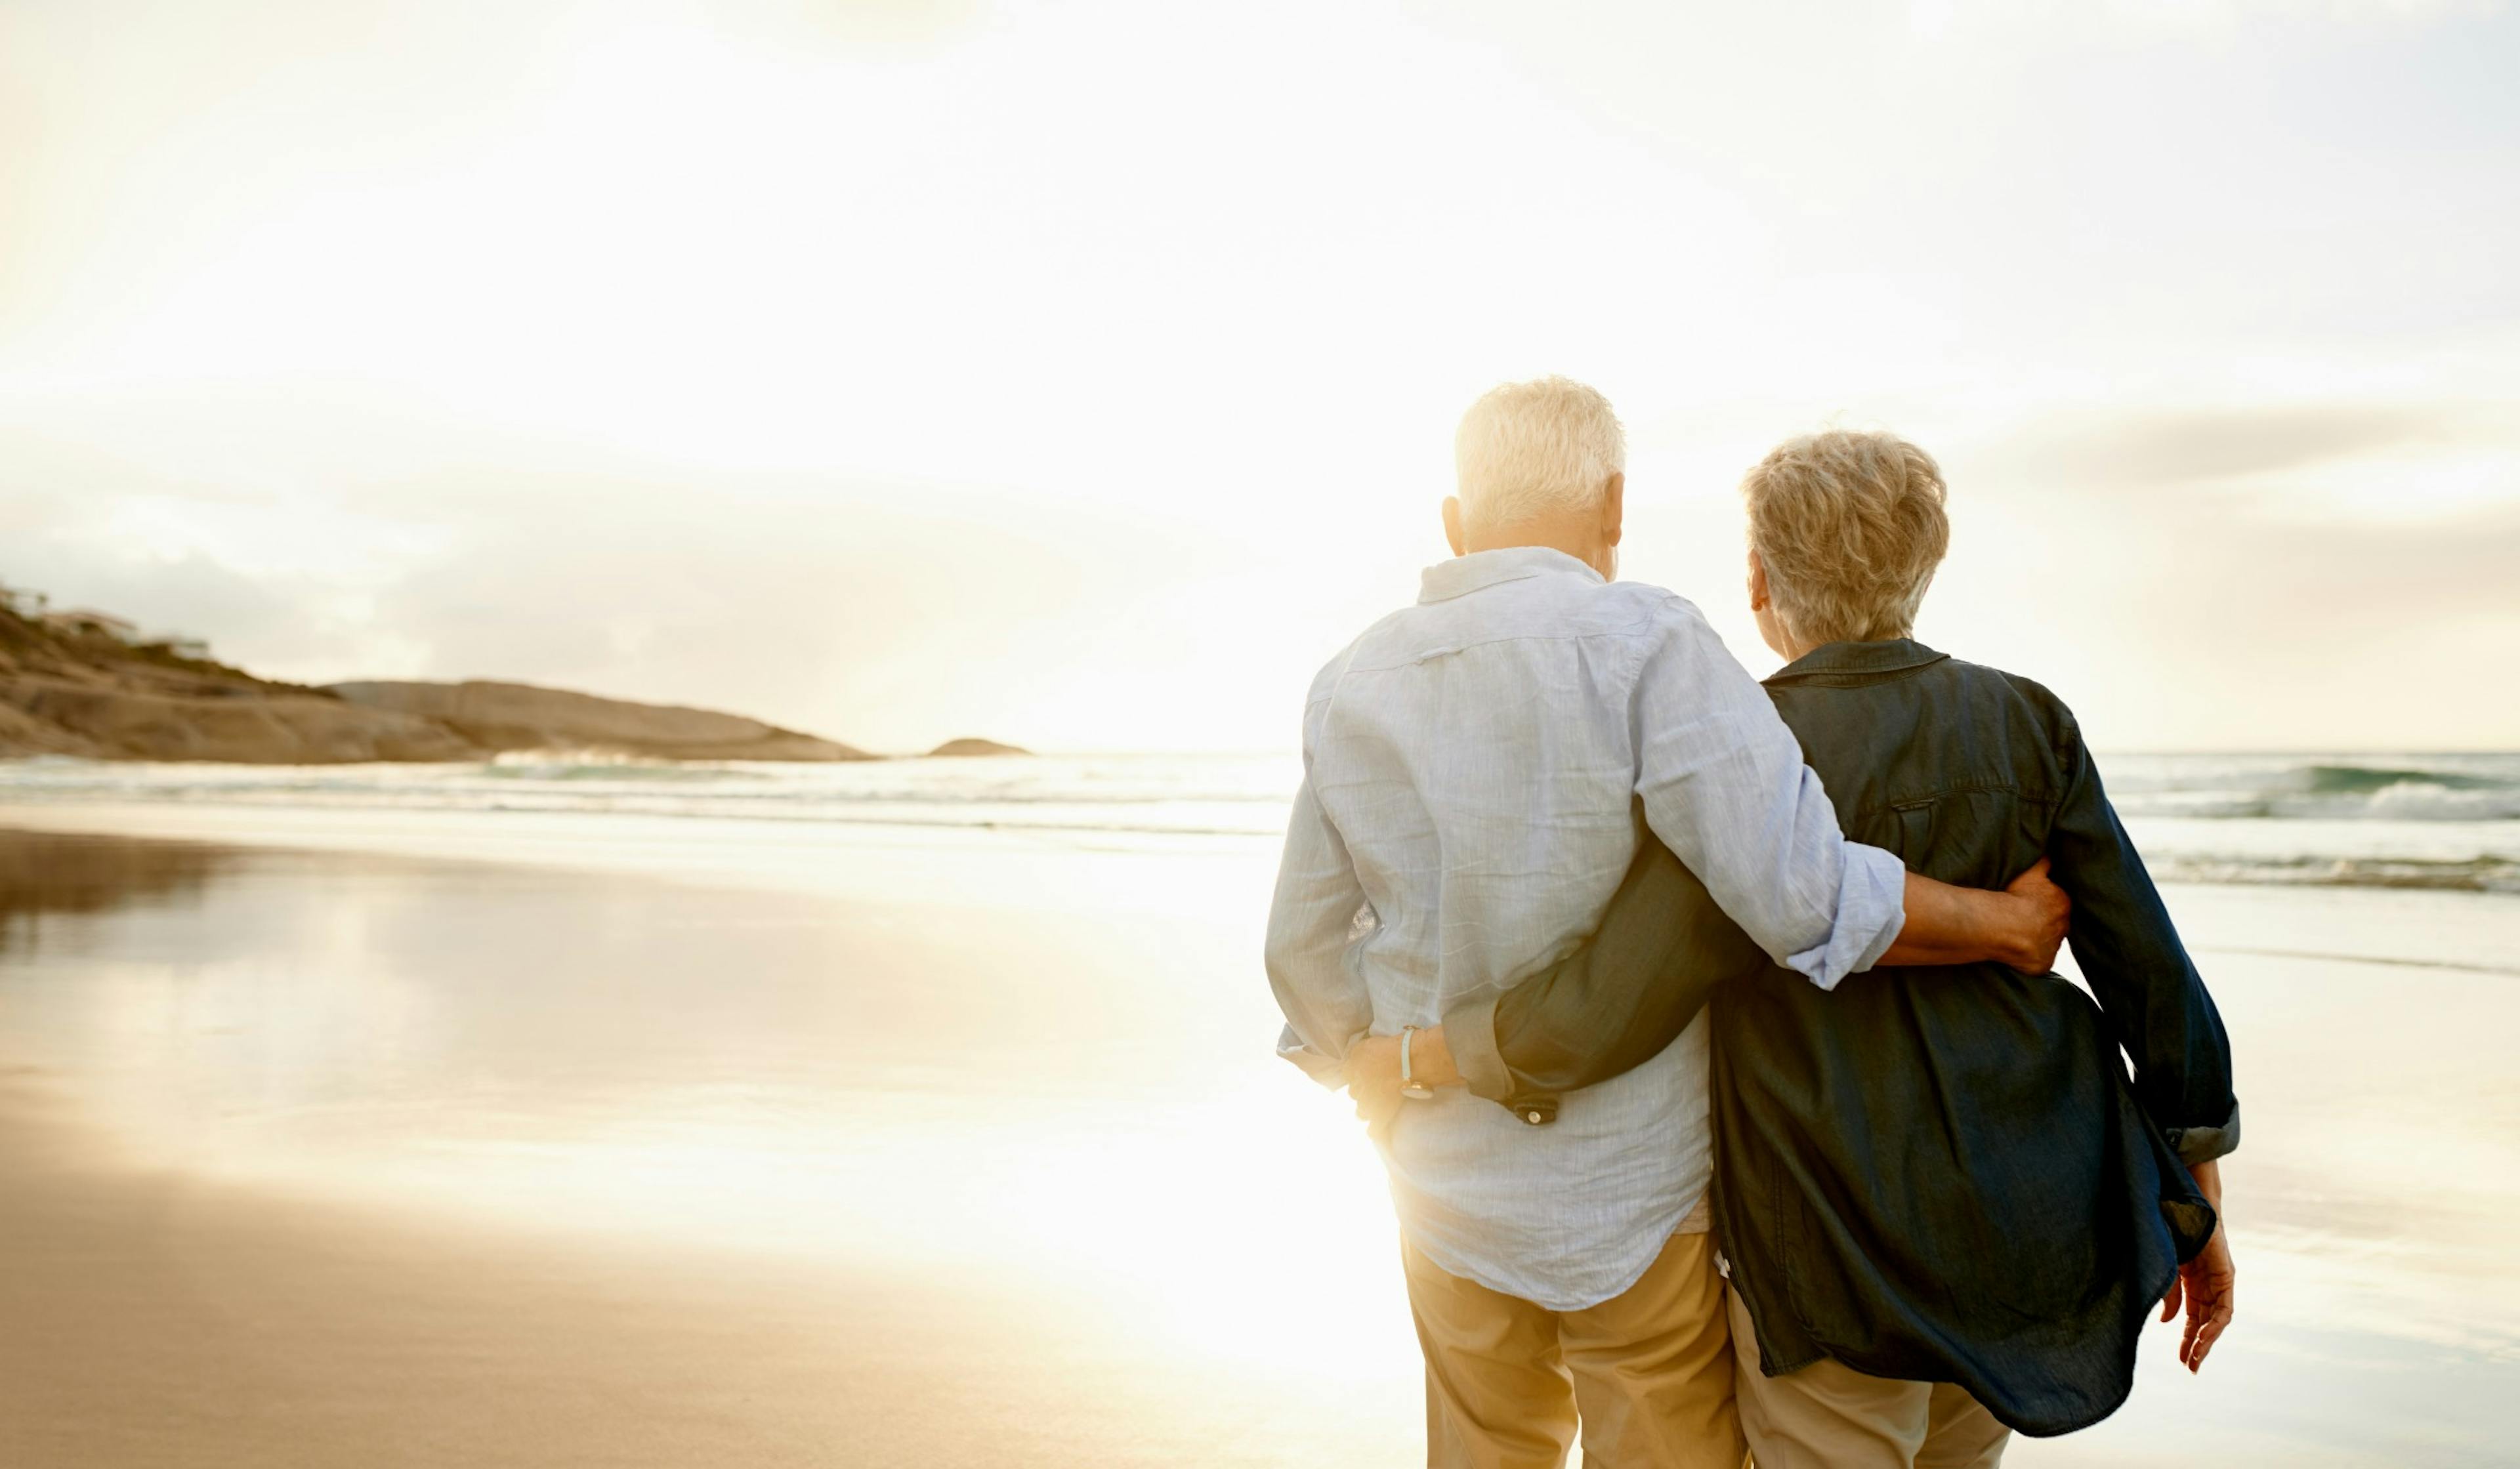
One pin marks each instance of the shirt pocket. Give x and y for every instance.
(1980, 834)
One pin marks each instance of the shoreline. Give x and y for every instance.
(2412, 822)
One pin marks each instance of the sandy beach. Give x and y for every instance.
(159, 1318)
(335, 1158)
(462, 1137)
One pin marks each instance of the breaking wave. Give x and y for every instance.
(2443, 823)
(2432, 788)
(2478, 874)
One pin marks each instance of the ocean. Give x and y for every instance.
(2448, 821)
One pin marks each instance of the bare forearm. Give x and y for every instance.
(2209, 1181)
(2021, 927)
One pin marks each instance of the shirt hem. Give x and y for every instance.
(1661, 1233)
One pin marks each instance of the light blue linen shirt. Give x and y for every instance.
(1470, 765)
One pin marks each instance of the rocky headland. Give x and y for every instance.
(68, 689)
(497, 717)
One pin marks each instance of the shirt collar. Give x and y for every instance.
(1465, 574)
(1834, 661)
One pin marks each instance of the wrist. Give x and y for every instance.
(2208, 1181)
(1431, 1059)
(2008, 928)
(1374, 1059)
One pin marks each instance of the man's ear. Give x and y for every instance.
(1614, 508)
(1453, 525)
(1758, 583)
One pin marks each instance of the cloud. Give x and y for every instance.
(2155, 18)
(2161, 576)
(460, 341)
(2152, 448)
(891, 23)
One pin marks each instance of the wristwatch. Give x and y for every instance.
(1409, 1087)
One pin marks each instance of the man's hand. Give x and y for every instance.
(2042, 911)
(2021, 927)
(2206, 1281)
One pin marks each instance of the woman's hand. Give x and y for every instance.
(1374, 1073)
(1373, 1080)
(2206, 1281)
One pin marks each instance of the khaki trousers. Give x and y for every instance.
(1650, 1371)
(1830, 1416)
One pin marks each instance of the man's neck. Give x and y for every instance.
(1576, 536)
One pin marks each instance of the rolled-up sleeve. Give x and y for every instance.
(1312, 931)
(2138, 970)
(1725, 787)
(2203, 1145)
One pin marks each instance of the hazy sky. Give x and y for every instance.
(1084, 375)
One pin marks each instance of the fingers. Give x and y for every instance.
(2213, 1332)
(2201, 1339)
(2205, 1333)
(2207, 1316)
(2051, 914)
(2170, 1298)
(1377, 1107)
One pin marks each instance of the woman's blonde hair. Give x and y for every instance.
(1850, 527)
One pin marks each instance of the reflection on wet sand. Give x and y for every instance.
(374, 1159)
(52, 872)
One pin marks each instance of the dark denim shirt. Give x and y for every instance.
(1940, 1174)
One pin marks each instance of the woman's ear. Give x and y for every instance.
(1614, 509)
(1453, 525)
(1758, 583)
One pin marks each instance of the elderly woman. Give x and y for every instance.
(1947, 1209)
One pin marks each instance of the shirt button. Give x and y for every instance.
(1531, 1117)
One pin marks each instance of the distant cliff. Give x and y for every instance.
(66, 691)
(522, 717)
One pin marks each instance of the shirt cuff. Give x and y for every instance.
(1329, 1071)
(2196, 1146)
(1871, 908)
(1469, 1033)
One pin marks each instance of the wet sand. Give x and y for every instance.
(319, 1158)
(688, 1144)
(154, 1318)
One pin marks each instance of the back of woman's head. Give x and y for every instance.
(1850, 527)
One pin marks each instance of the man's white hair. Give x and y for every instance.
(1526, 448)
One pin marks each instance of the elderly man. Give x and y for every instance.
(1473, 765)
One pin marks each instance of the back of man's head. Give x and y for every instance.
(1538, 448)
